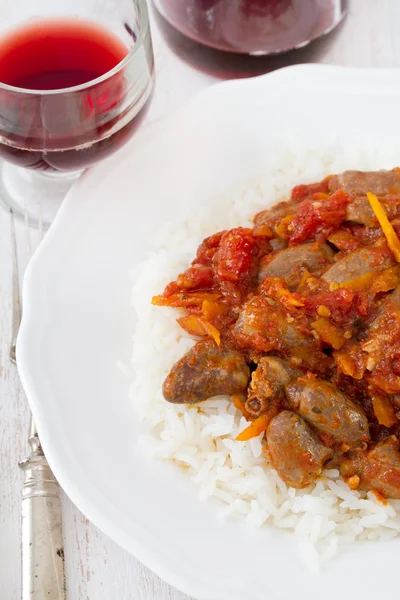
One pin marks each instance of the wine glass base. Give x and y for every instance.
(32, 195)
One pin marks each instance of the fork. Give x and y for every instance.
(43, 574)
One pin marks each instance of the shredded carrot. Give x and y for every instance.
(303, 282)
(287, 297)
(211, 310)
(263, 231)
(384, 411)
(348, 366)
(199, 326)
(183, 299)
(387, 228)
(213, 332)
(329, 333)
(257, 427)
(387, 280)
(359, 283)
(320, 196)
(237, 402)
(284, 226)
(376, 281)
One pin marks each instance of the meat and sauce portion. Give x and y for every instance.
(205, 371)
(298, 321)
(295, 449)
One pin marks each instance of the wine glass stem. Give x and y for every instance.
(34, 195)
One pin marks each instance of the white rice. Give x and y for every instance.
(201, 439)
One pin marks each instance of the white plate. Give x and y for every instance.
(78, 323)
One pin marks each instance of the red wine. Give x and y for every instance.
(252, 26)
(68, 129)
(51, 55)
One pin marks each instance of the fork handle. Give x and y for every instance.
(42, 541)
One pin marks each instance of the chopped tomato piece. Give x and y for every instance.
(344, 240)
(340, 304)
(235, 254)
(318, 219)
(299, 192)
(196, 277)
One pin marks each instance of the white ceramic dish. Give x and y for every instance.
(78, 323)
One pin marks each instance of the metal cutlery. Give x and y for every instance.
(43, 575)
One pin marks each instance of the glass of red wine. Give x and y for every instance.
(76, 78)
(253, 27)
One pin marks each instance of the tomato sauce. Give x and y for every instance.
(314, 283)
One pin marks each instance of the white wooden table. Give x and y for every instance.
(96, 568)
